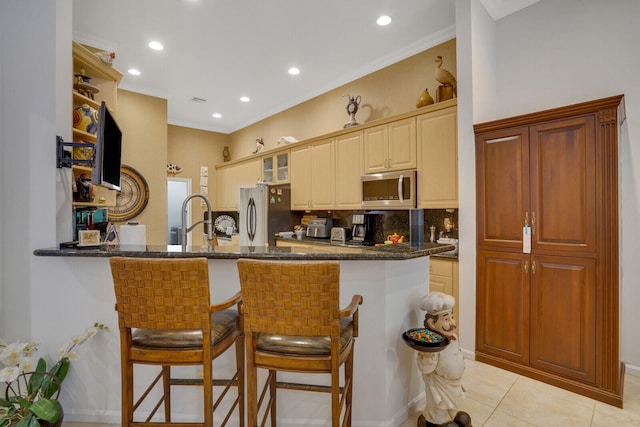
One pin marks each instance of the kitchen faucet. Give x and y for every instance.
(184, 229)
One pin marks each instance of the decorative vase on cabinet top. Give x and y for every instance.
(424, 100)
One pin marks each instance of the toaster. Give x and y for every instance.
(340, 234)
(319, 228)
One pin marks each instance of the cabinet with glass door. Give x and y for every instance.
(275, 167)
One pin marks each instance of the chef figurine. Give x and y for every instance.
(441, 371)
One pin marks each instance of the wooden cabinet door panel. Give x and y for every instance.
(563, 185)
(323, 175)
(502, 305)
(502, 180)
(563, 316)
(376, 142)
(348, 171)
(437, 152)
(300, 178)
(402, 144)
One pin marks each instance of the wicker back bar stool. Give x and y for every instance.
(166, 319)
(293, 322)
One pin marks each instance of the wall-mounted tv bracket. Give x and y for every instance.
(64, 160)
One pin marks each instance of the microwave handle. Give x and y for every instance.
(400, 188)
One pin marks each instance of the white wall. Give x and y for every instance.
(27, 168)
(557, 53)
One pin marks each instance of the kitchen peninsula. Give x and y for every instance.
(387, 385)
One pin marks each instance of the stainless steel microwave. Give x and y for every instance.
(389, 190)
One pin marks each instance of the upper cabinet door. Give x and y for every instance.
(402, 144)
(348, 171)
(563, 180)
(438, 159)
(502, 193)
(390, 146)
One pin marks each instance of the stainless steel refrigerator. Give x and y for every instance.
(264, 211)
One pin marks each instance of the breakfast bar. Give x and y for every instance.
(391, 279)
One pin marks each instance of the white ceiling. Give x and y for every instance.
(220, 50)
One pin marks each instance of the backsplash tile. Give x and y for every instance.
(389, 222)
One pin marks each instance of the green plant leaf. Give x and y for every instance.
(61, 368)
(28, 421)
(46, 409)
(35, 380)
(5, 403)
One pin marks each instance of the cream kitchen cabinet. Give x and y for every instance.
(391, 146)
(349, 167)
(443, 277)
(318, 247)
(231, 177)
(312, 172)
(275, 168)
(438, 159)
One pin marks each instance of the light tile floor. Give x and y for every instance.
(498, 398)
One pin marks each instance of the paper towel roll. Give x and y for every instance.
(133, 237)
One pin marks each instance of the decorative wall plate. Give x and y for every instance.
(223, 221)
(132, 197)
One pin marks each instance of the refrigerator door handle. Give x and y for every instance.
(251, 219)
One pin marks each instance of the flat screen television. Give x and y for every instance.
(108, 151)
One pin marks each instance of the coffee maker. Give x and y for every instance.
(363, 231)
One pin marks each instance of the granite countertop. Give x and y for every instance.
(398, 252)
(447, 254)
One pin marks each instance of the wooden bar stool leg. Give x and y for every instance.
(348, 375)
(127, 392)
(241, 377)
(273, 394)
(252, 384)
(166, 387)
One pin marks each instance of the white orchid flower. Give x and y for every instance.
(28, 364)
(8, 374)
(12, 354)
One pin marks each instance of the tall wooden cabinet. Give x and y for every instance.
(550, 309)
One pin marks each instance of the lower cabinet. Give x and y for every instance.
(443, 277)
(318, 247)
(539, 311)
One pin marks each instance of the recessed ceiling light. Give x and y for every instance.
(155, 45)
(294, 71)
(133, 72)
(245, 99)
(216, 115)
(383, 20)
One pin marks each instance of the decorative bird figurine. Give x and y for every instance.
(445, 77)
(173, 169)
(286, 140)
(259, 146)
(106, 57)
